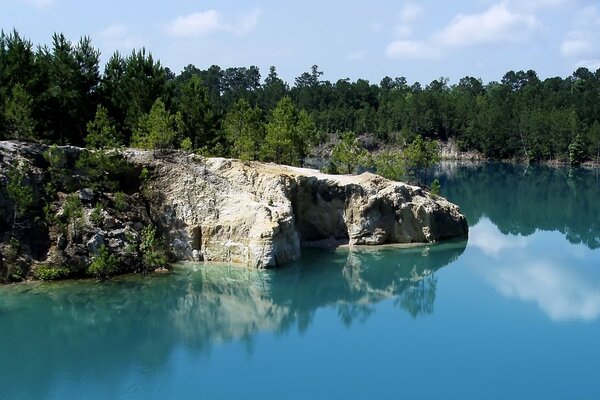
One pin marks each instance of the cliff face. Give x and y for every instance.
(211, 209)
(260, 214)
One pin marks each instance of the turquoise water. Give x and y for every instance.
(511, 314)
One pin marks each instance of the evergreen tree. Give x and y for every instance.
(158, 129)
(17, 115)
(348, 154)
(102, 133)
(279, 140)
(244, 130)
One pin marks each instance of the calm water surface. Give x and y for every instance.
(511, 314)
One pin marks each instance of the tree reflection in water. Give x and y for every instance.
(84, 326)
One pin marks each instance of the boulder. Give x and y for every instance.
(260, 214)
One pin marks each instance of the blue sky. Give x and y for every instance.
(421, 40)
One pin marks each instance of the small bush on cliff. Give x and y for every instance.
(47, 273)
(19, 191)
(96, 214)
(348, 154)
(73, 214)
(104, 264)
(390, 165)
(120, 201)
(436, 187)
(154, 254)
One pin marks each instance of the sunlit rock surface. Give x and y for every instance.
(260, 214)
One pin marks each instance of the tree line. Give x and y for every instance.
(58, 94)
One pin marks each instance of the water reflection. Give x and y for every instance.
(562, 280)
(520, 200)
(87, 328)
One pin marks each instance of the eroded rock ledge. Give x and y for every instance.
(260, 214)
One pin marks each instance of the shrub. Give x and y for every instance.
(104, 264)
(436, 187)
(120, 201)
(47, 273)
(96, 214)
(154, 254)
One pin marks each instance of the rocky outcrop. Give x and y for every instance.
(211, 209)
(260, 214)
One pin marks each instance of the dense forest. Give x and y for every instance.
(58, 94)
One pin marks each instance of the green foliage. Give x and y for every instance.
(348, 154)
(57, 169)
(104, 264)
(102, 169)
(436, 187)
(18, 114)
(19, 190)
(158, 129)
(56, 94)
(576, 151)
(96, 214)
(73, 213)
(280, 133)
(120, 201)
(244, 129)
(390, 165)
(102, 133)
(144, 174)
(197, 112)
(48, 273)
(153, 251)
(305, 137)
(186, 144)
(420, 155)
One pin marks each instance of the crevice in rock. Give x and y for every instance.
(319, 211)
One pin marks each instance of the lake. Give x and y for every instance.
(512, 313)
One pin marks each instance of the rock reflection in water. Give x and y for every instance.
(83, 327)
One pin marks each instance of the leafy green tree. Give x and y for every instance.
(153, 251)
(390, 164)
(102, 133)
(19, 190)
(305, 136)
(104, 264)
(17, 114)
(273, 90)
(280, 133)
(197, 112)
(419, 156)
(130, 87)
(244, 129)
(158, 129)
(348, 154)
(576, 152)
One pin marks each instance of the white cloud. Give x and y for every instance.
(575, 47)
(119, 37)
(562, 291)
(582, 41)
(487, 238)
(537, 5)
(212, 21)
(559, 291)
(498, 24)
(411, 49)
(40, 4)
(410, 12)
